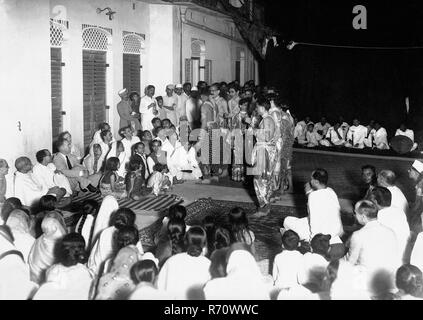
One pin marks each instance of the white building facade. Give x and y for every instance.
(63, 62)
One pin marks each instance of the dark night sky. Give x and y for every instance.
(352, 82)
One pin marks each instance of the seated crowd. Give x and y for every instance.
(321, 257)
(341, 134)
(102, 257)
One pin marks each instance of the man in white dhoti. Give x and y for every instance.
(356, 135)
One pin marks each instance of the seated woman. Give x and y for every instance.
(19, 224)
(144, 275)
(240, 231)
(69, 278)
(116, 284)
(173, 243)
(110, 182)
(118, 150)
(42, 255)
(85, 225)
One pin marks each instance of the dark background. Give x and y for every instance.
(363, 83)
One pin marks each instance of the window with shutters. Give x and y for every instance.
(208, 72)
(132, 46)
(56, 41)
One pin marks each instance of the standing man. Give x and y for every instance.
(148, 108)
(181, 101)
(124, 108)
(220, 105)
(170, 102)
(264, 157)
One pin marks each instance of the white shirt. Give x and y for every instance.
(396, 220)
(398, 198)
(27, 190)
(171, 101)
(333, 136)
(286, 267)
(45, 176)
(127, 145)
(408, 133)
(319, 126)
(375, 247)
(381, 138)
(181, 273)
(182, 159)
(181, 107)
(357, 134)
(324, 213)
(147, 113)
(313, 268)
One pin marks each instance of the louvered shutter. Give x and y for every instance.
(131, 72)
(94, 90)
(208, 72)
(188, 75)
(56, 91)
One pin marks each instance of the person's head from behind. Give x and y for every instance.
(23, 164)
(319, 178)
(126, 236)
(365, 211)
(112, 164)
(221, 238)
(368, 174)
(9, 205)
(381, 196)
(386, 178)
(123, 217)
(263, 105)
(195, 241)
(90, 207)
(320, 244)
(47, 203)
(403, 127)
(43, 157)
(176, 229)
(377, 125)
(290, 240)
(144, 271)
(238, 219)
(71, 250)
(409, 280)
(177, 211)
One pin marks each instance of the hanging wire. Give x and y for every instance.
(292, 44)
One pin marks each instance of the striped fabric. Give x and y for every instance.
(154, 203)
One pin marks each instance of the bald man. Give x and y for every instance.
(26, 187)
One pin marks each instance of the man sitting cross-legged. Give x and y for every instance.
(324, 214)
(27, 189)
(76, 173)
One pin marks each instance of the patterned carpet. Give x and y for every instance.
(266, 229)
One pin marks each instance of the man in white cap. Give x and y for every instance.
(148, 108)
(125, 111)
(170, 103)
(182, 99)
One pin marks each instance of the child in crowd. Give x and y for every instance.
(315, 262)
(135, 181)
(4, 170)
(110, 184)
(288, 262)
(239, 228)
(158, 180)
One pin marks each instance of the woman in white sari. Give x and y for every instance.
(108, 206)
(19, 224)
(105, 246)
(69, 279)
(42, 255)
(244, 280)
(118, 151)
(15, 283)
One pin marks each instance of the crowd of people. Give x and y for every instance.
(341, 134)
(164, 141)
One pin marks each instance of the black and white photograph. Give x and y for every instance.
(235, 151)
